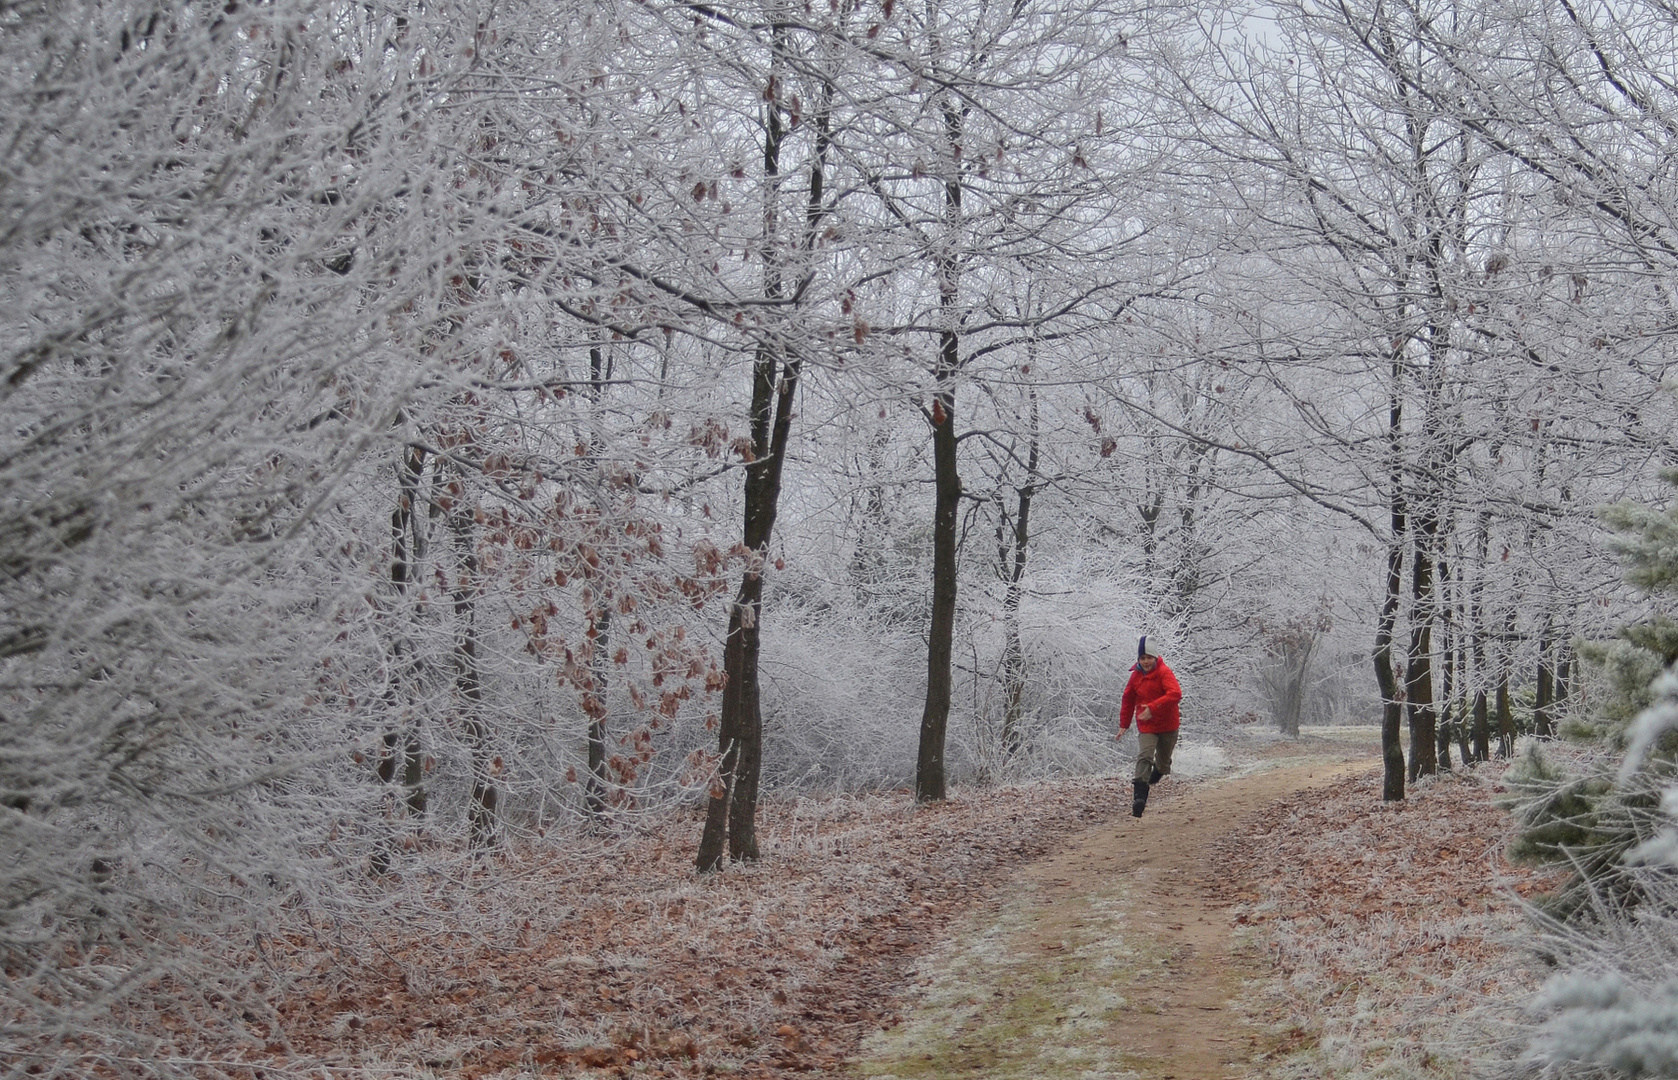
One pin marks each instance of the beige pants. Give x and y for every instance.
(1154, 751)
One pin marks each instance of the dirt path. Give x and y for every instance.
(1113, 959)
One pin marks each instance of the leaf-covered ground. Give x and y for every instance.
(1394, 931)
(618, 956)
(1389, 930)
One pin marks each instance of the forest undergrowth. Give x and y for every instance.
(1392, 931)
(1396, 932)
(612, 954)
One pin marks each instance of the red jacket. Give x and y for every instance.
(1158, 690)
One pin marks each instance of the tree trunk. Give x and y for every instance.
(1543, 725)
(594, 705)
(1392, 696)
(1462, 707)
(935, 717)
(1564, 674)
(1392, 726)
(595, 701)
(1011, 558)
(1013, 675)
(930, 780)
(1477, 615)
(1505, 718)
(1286, 683)
(1418, 680)
(1482, 737)
(868, 561)
(1149, 512)
(1449, 713)
(1391, 718)
(400, 758)
(1186, 568)
(407, 548)
(481, 810)
(1392, 712)
(731, 815)
(1440, 216)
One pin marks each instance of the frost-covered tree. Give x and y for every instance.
(212, 235)
(998, 175)
(320, 488)
(1612, 1007)
(1589, 822)
(1431, 316)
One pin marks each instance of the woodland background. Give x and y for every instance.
(441, 429)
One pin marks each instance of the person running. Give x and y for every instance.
(1151, 697)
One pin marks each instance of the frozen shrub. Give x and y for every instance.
(1614, 1006)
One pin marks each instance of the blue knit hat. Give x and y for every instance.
(1146, 647)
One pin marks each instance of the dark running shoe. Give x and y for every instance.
(1140, 802)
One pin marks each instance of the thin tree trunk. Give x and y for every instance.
(930, 780)
(1186, 573)
(1291, 650)
(481, 810)
(1448, 712)
(868, 561)
(1543, 725)
(1440, 216)
(1392, 705)
(1418, 681)
(1564, 673)
(1505, 718)
(1013, 676)
(1013, 564)
(731, 815)
(1392, 714)
(596, 700)
(1424, 582)
(1478, 634)
(1149, 513)
(408, 548)
(400, 758)
(730, 819)
(599, 784)
(1465, 632)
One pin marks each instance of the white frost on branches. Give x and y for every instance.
(1653, 722)
(1607, 1021)
(1617, 1006)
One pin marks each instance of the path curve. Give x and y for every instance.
(1115, 958)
